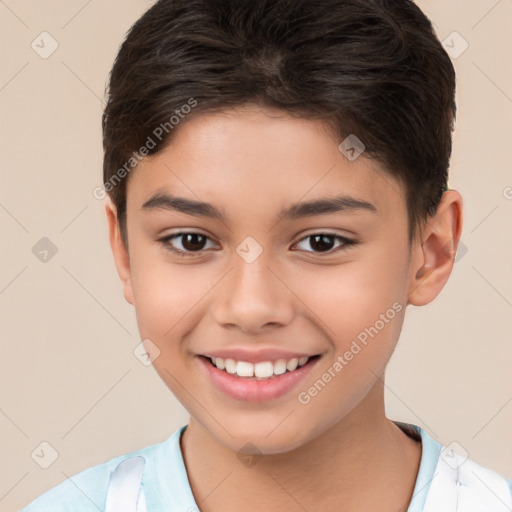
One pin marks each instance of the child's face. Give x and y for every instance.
(302, 295)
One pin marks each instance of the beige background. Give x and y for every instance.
(67, 372)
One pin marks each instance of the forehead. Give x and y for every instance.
(260, 160)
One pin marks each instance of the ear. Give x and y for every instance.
(119, 250)
(434, 250)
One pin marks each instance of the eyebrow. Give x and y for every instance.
(344, 203)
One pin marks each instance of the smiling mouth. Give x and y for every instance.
(265, 370)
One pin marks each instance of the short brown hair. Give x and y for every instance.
(373, 68)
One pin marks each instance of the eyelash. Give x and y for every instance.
(165, 241)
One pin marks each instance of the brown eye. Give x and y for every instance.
(190, 242)
(322, 243)
(325, 242)
(193, 241)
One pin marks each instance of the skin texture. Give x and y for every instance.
(251, 163)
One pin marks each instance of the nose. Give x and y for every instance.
(253, 297)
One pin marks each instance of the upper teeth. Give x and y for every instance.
(261, 370)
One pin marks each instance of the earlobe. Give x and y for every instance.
(119, 251)
(433, 255)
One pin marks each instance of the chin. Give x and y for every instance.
(261, 438)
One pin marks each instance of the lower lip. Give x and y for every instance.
(252, 390)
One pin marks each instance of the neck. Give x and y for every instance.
(363, 462)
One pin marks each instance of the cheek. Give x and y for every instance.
(360, 308)
(346, 299)
(157, 295)
(163, 291)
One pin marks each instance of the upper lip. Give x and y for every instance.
(256, 356)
